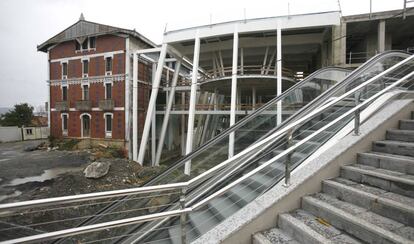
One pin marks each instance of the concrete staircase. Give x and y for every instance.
(371, 201)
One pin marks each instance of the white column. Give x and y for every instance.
(253, 98)
(135, 107)
(193, 96)
(151, 105)
(128, 106)
(279, 72)
(183, 124)
(381, 36)
(167, 113)
(153, 123)
(233, 90)
(242, 61)
(48, 90)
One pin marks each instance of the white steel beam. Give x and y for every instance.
(233, 89)
(153, 122)
(221, 63)
(253, 98)
(183, 124)
(279, 72)
(167, 113)
(151, 105)
(265, 60)
(242, 61)
(135, 108)
(193, 96)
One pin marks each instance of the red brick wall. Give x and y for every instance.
(106, 43)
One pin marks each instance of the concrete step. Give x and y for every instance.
(204, 220)
(301, 231)
(307, 228)
(385, 179)
(399, 163)
(387, 204)
(394, 147)
(400, 135)
(273, 236)
(356, 221)
(406, 124)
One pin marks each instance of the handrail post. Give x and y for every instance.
(288, 157)
(357, 119)
(183, 216)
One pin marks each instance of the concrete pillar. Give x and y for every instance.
(279, 72)
(339, 44)
(253, 98)
(381, 36)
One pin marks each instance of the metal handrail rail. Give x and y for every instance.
(186, 210)
(292, 148)
(198, 178)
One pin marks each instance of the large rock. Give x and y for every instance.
(97, 170)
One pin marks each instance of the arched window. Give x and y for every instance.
(108, 124)
(85, 125)
(65, 122)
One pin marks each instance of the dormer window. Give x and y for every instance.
(86, 44)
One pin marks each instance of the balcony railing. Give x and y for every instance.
(106, 105)
(84, 105)
(62, 106)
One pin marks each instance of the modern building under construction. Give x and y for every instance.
(293, 129)
(225, 71)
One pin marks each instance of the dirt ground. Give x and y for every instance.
(28, 175)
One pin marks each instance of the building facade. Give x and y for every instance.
(88, 67)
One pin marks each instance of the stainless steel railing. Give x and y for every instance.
(185, 207)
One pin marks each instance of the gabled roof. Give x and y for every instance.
(83, 28)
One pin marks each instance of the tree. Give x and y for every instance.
(21, 115)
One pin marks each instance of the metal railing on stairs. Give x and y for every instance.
(181, 189)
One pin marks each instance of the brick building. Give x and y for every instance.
(89, 69)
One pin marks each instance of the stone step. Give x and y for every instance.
(400, 135)
(311, 229)
(387, 204)
(399, 163)
(301, 231)
(394, 147)
(356, 221)
(273, 236)
(406, 124)
(385, 179)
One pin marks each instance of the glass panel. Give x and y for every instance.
(64, 93)
(108, 87)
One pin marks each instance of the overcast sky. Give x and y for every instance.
(27, 23)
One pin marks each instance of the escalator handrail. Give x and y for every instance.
(268, 140)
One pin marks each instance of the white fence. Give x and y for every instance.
(14, 133)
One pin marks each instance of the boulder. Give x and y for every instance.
(97, 170)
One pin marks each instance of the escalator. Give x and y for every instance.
(220, 208)
(305, 96)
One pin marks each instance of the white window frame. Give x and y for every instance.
(65, 132)
(89, 90)
(108, 134)
(88, 40)
(90, 124)
(85, 75)
(112, 65)
(106, 92)
(65, 77)
(67, 90)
